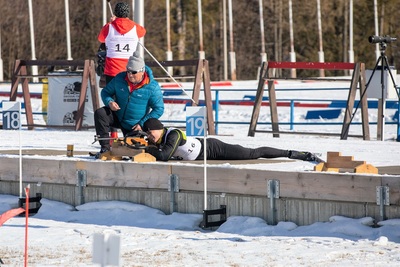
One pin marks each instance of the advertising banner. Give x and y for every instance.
(63, 99)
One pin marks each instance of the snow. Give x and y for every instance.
(62, 235)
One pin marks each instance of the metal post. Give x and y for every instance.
(291, 114)
(104, 12)
(81, 181)
(138, 11)
(168, 52)
(377, 52)
(1, 62)
(263, 53)
(232, 55)
(34, 67)
(225, 40)
(293, 73)
(321, 49)
(216, 111)
(69, 57)
(173, 187)
(381, 204)
(398, 120)
(351, 49)
(273, 193)
(382, 199)
(201, 48)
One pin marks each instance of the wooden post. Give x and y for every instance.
(88, 74)
(203, 75)
(364, 103)
(93, 86)
(273, 108)
(208, 98)
(358, 77)
(82, 97)
(258, 100)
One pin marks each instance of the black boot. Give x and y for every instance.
(102, 150)
(303, 155)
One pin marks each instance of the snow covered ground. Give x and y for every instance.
(61, 235)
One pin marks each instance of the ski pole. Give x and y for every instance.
(180, 86)
(109, 5)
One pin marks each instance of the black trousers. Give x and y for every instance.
(104, 119)
(108, 79)
(218, 150)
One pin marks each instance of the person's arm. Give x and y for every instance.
(140, 30)
(103, 33)
(174, 139)
(108, 92)
(156, 103)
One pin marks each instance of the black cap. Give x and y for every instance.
(152, 124)
(121, 10)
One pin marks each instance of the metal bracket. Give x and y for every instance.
(272, 194)
(173, 187)
(81, 178)
(382, 195)
(173, 183)
(273, 189)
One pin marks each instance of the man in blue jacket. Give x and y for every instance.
(130, 99)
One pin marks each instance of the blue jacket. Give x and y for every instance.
(138, 106)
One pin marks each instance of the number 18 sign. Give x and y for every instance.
(11, 115)
(196, 121)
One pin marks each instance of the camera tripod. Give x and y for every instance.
(382, 101)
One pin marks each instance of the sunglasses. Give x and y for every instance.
(134, 71)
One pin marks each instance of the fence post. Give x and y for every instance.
(216, 111)
(291, 114)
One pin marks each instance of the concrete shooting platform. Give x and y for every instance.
(302, 197)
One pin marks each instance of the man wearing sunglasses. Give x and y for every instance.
(130, 99)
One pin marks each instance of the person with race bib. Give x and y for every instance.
(121, 37)
(130, 99)
(172, 143)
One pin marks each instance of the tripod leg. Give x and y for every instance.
(382, 102)
(348, 118)
(391, 77)
(398, 103)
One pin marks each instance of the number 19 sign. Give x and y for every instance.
(11, 115)
(195, 121)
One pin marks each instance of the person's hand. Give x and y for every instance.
(112, 18)
(137, 127)
(114, 106)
